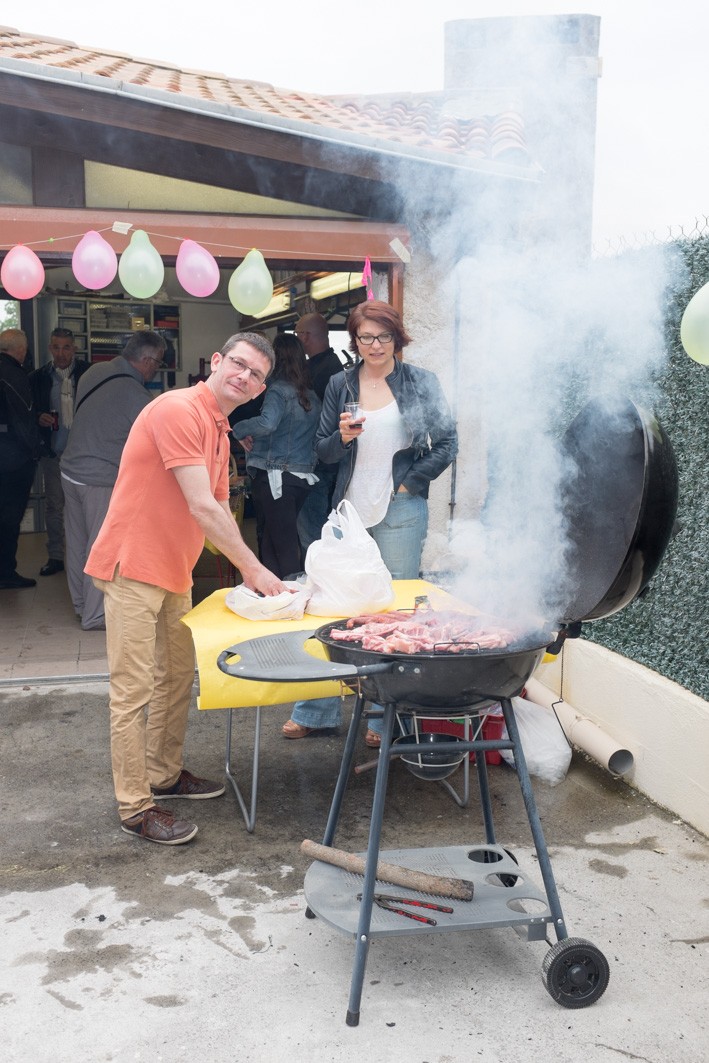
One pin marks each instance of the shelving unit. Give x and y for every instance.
(72, 315)
(111, 323)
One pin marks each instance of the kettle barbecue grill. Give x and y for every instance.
(621, 504)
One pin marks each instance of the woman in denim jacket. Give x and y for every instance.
(280, 456)
(402, 437)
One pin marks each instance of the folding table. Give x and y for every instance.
(215, 627)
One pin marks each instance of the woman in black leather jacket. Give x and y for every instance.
(402, 437)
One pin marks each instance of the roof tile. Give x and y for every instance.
(407, 119)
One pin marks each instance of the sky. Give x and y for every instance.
(652, 152)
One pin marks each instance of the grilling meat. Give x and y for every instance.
(423, 631)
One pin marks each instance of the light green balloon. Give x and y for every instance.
(141, 270)
(250, 286)
(694, 330)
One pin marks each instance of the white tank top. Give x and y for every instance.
(371, 486)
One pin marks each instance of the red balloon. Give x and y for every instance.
(22, 273)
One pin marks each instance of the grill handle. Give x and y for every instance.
(282, 659)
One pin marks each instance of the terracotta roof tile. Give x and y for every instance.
(410, 120)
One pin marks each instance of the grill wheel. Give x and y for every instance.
(575, 973)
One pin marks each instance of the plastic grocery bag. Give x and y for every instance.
(288, 605)
(544, 744)
(346, 574)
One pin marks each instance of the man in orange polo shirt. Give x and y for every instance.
(172, 491)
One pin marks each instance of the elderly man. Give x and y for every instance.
(172, 491)
(108, 399)
(54, 390)
(19, 450)
(323, 362)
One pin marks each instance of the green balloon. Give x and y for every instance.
(250, 286)
(141, 270)
(694, 329)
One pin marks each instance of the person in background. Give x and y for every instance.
(54, 390)
(19, 451)
(323, 363)
(403, 438)
(280, 456)
(172, 491)
(109, 397)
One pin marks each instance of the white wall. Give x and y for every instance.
(664, 726)
(204, 327)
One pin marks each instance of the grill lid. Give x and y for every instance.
(620, 503)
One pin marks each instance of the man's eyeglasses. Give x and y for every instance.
(383, 337)
(242, 367)
(158, 362)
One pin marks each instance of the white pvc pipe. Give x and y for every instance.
(582, 732)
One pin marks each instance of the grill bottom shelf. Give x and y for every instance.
(503, 893)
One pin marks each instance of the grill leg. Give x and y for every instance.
(534, 820)
(484, 785)
(344, 773)
(370, 871)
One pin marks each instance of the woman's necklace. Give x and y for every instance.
(370, 382)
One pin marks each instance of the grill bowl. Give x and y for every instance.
(429, 766)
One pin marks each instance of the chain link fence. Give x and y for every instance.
(673, 234)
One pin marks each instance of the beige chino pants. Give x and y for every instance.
(151, 663)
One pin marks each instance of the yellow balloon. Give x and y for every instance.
(694, 329)
(250, 286)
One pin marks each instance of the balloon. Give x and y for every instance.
(251, 286)
(694, 330)
(141, 270)
(94, 261)
(22, 273)
(197, 270)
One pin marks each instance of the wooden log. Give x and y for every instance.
(456, 888)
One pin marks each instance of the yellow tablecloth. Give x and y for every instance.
(215, 628)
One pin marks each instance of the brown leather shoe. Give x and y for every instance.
(159, 825)
(189, 786)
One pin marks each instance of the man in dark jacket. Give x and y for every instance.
(323, 362)
(19, 450)
(54, 391)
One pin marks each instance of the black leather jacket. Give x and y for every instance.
(426, 413)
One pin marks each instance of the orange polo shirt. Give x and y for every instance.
(149, 529)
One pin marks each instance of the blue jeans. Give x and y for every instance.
(316, 508)
(400, 538)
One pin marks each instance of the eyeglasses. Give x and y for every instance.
(242, 367)
(63, 332)
(160, 364)
(383, 337)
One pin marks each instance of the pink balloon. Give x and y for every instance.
(94, 261)
(22, 273)
(197, 270)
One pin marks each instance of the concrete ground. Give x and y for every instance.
(117, 950)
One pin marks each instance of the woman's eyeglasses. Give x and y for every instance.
(383, 337)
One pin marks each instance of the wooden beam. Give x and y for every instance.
(204, 164)
(54, 233)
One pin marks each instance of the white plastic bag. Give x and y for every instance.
(288, 605)
(544, 744)
(346, 574)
